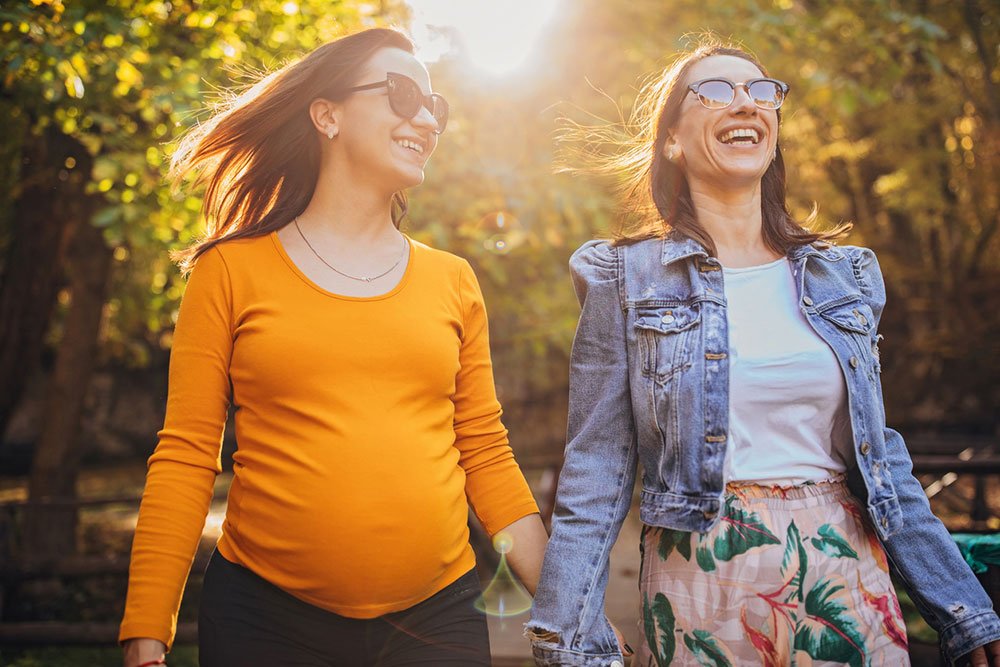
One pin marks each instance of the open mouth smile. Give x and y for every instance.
(747, 136)
(414, 146)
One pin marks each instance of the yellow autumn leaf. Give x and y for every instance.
(128, 75)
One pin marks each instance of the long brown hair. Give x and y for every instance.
(657, 199)
(258, 156)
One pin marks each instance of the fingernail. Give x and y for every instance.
(628, 650)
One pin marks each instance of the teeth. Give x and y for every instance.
(412, 145)
(740, 133)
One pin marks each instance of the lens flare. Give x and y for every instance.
(501, 232)
(504, 596)
(497, 37)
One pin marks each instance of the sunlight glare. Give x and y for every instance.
(496, 36)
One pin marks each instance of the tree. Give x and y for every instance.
(95, 92)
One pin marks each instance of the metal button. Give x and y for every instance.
(617, 663)
(667, 319)
(806, 300)
(863, 319)
(865, 448)
(710, 514)
(854, 362)
(885, 522)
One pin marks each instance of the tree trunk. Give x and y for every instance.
(50, 530)
(49, 202)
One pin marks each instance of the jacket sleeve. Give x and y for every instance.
(922, 553)
(568, 625)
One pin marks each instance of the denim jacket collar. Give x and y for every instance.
(818, 249)
(676, 246)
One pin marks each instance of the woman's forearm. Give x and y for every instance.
(527, 549)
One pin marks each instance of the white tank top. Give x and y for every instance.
(788, 418)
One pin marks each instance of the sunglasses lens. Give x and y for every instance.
(715, 94)
(405, 97)
(766, 94)
(439, 109)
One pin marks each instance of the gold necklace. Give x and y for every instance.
(363, 279)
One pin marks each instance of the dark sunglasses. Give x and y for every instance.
(406, 98)
(720, 93)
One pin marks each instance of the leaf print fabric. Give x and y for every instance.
(788, 576)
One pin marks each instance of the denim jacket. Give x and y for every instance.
(649, 383)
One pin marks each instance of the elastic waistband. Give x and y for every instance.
(815, 493)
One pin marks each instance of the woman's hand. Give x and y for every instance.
(626, 649)
(143, 649)
(987, 655)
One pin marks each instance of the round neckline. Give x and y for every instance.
(280, 248)
(758, 267)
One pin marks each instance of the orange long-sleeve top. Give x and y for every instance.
(365, 427)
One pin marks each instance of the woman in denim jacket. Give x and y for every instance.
(734, 354)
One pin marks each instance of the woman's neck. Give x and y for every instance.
(346, 209)
(734, 221)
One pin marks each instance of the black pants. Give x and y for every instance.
(244, 621)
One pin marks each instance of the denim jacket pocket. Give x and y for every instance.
(663, 334)
(856, 321)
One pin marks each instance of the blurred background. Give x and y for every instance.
(893, 123)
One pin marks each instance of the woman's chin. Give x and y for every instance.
(409, 176)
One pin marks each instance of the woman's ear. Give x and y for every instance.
(325, 117)
(672, 150)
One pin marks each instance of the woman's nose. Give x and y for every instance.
(425, 119)
(742, 102)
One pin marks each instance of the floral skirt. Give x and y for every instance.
(788, 576)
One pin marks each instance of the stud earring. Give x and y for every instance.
(672, 154)
(330, 133)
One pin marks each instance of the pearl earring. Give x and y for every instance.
(672, 154)
(329, 133)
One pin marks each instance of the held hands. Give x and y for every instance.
(143, 651)
(626, 649)
(987, 655)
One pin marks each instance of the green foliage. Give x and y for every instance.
(126, 78)
(658, 626)
(794, 559)
(670, 539)
(743, 530)
(708, 650)
(829, 630)
(832, 543)
(892, 123)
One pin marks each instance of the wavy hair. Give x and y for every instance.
(258, 155)
(655, 193)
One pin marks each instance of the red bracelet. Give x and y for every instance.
(160, 661)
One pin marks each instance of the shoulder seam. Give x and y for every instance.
(229, 286)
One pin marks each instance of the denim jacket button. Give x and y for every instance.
(806, 300)
(865, 448)
(667, 319)
(709, 514)
(617, 663)
(885, 522)
(854, 362)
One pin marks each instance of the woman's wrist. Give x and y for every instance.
(144, 652)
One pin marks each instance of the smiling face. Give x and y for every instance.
(723, 148)
(381, 145)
